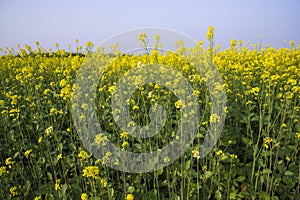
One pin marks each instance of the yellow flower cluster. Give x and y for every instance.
(179, 104)
(101, 139)
(57, 184)
(124, 135)
(129, 197)
(210, 33)
(195, 153)
(38, 197)
(82, 155)
(219, 153)
(84, 196)
(49, 130)
(2, 170)
(13, 191)
(214, 118)
(27, 153)
(267, 142)
(233, 156)
(9, 162)
(91, 171)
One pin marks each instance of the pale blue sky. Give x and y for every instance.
(63, 21)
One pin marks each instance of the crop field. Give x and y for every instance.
(42, 155)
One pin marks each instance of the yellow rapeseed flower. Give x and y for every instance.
(59, 156)
(135, 107)
(204, 123)
(124, 135)
(220, 152)
(46, 91)
(233, 156)
(210, 33)
(129, 197)
(124, 144)
(111, 89)
(101, 139)
(255, 90)
(195, 153)
(57, 184)
(63, 83)
(38, 197)
(82, 155)
(142, 36)
(103, 182)
(2, 170)
(84, 196)
(97, 161)
(9, 162)
(90, 171)
(13, 191)
(84, 106)
(116, 163)
(214, 118)
(27, 153)
(2, 102)
(267, 142)
(49, 130)
(167, 159)
(106, 158)
(179, 104)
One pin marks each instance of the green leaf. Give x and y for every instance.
(111, 192)
(130, 189)
(27, 187)
(240, 178)
(46, 189)
(60, 147)
(288, 173)
(232, 195)
(264, 195)
(288, 181)
(49, 197)
(208, 174)
(49, 176)
(218, 194)
(16, 154)
(247, 141)
(64, 188)
(187, 165)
